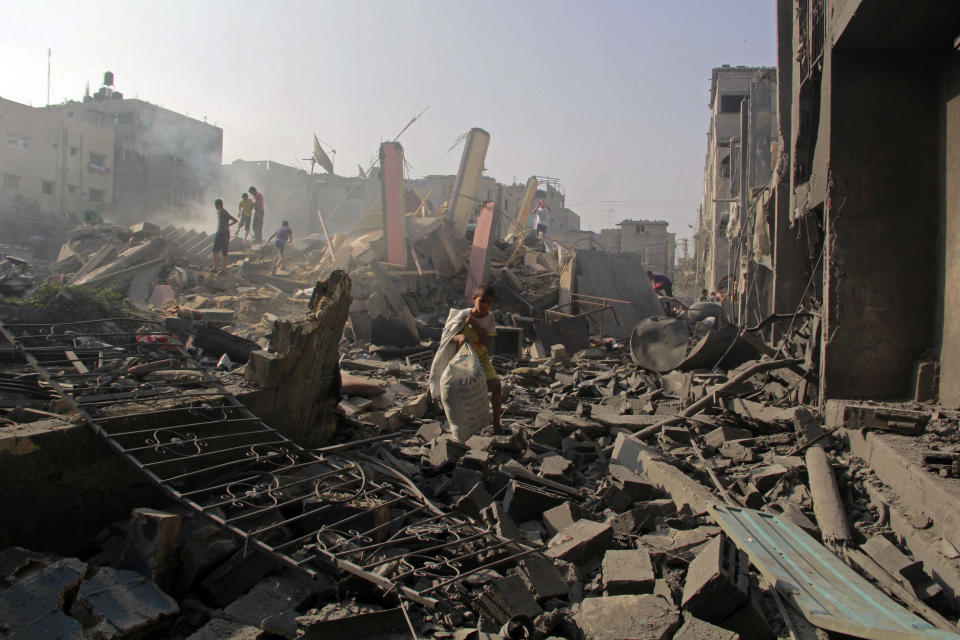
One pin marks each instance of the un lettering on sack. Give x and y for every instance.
(463, 392)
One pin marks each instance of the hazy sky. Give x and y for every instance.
(608, 96)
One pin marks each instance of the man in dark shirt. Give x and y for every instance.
(221, 239)
(661, 283)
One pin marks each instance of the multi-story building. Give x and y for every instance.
(741, 118)
(866, 215)
(162, 161)
(52, 162)
(648, 238)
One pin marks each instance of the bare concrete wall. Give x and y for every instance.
(60, 485)
(881, 221)
(950, 238)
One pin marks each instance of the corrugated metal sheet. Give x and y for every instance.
(830, 594)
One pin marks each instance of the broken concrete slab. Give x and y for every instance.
(506, 598)
(582, 540)
(121, 604)
(724, 433)
(717, 581)
(525, 502)
(236, 576)
(560, 517)
(272, 596)
(566, 424)
(350, 621)
(543, 578)
(220, 629)
(648, 464)
(631, 616)
(627, 571)
(696, 629)
(32, 608)
(151, 547)
(17, 562)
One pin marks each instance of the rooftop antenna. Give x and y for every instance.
(49, 52)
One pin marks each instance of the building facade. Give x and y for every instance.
(648, 238)
(742, 127)
(53, 163)
(866, 204)
(163, 163)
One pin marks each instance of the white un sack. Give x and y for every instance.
(463, 392)
(457, 380)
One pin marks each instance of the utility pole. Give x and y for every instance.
(49, 52)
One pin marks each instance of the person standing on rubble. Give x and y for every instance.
(541, 217)
(257, 214)
(662, 285)
(283, 235)
(221, 240)
(479, 331)
(245, 210)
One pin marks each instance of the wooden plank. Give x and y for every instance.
(76, 362)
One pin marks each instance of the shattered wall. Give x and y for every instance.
(298, 380)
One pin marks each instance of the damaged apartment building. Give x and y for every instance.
(853, 216)
(739, 143)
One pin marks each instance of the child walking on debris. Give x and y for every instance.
(246, 214)
(280, 238)
(480, 330)
(221, 240)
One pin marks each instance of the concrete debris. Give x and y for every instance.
(599, 481)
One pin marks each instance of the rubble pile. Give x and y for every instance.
(617, 500)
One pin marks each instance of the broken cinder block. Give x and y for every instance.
(628, 571)
(717, 581)
(581, 541)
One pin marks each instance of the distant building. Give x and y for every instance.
(648, 238)
(743, 115)
(162, 161)
(53, 162)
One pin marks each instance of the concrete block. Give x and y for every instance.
(718, 436)
(560, 517)
(474, 501)
(717, 581)
(582, 540)
(274, 595)
(630, 482)
(119, 604)
(478, 460)
(628, 571)
(649, 465)
(632, 521)
(505, 598)
(17, 562)
(525, 502)
(445, 452)
(697, 629)
(31, 608)
(741, 451)
(264, 369)
(547, 436)
(555, 467)
(543, 578)
(236, 576)
(765, 477)
(220, 629)
(415, 407)
(203, 546)
(151, 548)
(558, 352)
(631, 616)
(430, 431)
(496, 517)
